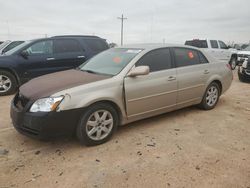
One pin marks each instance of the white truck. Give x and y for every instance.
(216, 48)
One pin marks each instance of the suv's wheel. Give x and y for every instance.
(233, 63)
(210, 97)
(8, 83)
(97, 124)
(241, 76)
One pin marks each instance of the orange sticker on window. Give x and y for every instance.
(117, 60)
(190, 55)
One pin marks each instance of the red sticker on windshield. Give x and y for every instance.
(190, 55)
(117, 60)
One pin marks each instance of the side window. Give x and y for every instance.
(186, 57)
(41, 48)
(12, 45)
(96, 45)
(156, 60)
(214, 44)
(66, 46)
(223, 45)
(202, 58)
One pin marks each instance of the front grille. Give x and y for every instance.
(248, 65)
(21, 101)
(243, 55)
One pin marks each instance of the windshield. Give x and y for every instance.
(110, 62)
(13, 50)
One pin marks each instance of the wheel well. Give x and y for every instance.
(234, 56)
(13, 73)
(114, 105)
(219, 84)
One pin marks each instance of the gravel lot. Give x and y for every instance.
(186, 148)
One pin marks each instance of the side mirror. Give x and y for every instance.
(24, 54)
(139, 71)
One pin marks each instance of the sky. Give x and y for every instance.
(148, 21)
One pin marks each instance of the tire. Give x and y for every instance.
(8, 83)
(207, 102)
(233, 63)
(91, 128)
(241, 77)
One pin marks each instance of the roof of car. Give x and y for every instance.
(148, 46)
(77, 36)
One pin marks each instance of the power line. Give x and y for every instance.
(122, 19)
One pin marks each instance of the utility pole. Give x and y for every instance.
(122, 18)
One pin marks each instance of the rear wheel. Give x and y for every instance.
(210, 97)
(8, 83)
(97, 124)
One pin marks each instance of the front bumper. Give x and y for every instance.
(43, 125)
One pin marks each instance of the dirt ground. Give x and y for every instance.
(186, 148)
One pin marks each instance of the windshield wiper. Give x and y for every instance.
(90, 71)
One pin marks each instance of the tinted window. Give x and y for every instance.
(39, 48)
(214, 44)
(197, 43)
(66, 46)
(223, 45)
(12, 45)
(156, 60)
(203, 59)
(96, 45)
(186, 57)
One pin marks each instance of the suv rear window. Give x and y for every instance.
(96, 45)
(197, 43)
(66, 46)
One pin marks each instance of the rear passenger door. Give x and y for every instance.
(192, 73)
(153, 93)
(68, 54)
(215, 50)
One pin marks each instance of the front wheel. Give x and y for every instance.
(210, 97)
(97, 124)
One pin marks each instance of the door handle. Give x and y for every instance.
(171, 78)
(81, 56)
(50, 58)
(206, 71)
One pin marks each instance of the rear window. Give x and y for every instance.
(96, 45)
(186, 57)
(214, 44)
(66, 46)
(197, 43)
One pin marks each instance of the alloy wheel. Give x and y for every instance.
(212, 96)
(5, 83)
(99, 125)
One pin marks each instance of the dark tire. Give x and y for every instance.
(90, 126)
(209, 101)
(233, 63)
(10, 87)
(241, 77)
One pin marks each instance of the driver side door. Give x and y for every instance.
(156, 92)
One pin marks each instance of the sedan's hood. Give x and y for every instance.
(49, 84)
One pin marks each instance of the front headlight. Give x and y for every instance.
(46, 104)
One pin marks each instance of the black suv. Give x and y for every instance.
(42, 56)
(244, 71)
